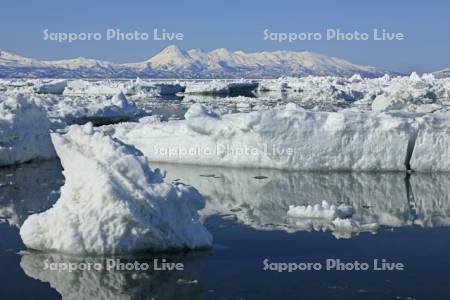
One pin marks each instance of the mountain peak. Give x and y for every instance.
(172, 56)
(172, 50)
(175, 62)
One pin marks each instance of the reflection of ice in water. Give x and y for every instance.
(261, 198)
(27, 189)
(376, 198)
(116, 284)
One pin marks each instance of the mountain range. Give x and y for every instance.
(173, 62)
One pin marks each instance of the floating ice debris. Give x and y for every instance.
(108, 87)
(112, 202)
(220, 87)
(56, 87)
(97, 109)
(24, 131)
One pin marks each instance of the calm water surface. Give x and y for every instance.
(246, 213)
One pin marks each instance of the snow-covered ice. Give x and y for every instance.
(24, 131)
(220, 87)
(96, 109)
(409, 93)
(282, 138)
(53, 87)
(372, 123)
(109, 87)
(112, 202)
(432, 145)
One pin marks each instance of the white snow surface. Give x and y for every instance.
(219, 87)
(133, 87)
(281, 138)
(76, 109)
(112, 202)
(24, 131)
(56, 87)
(95, 108)
(432, 146)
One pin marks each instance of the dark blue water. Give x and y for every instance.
(246, 216)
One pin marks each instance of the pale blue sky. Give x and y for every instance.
(236, 25)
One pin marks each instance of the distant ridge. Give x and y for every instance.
(173, 62)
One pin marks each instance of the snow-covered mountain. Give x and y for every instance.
(173, 62)
(442, 73)
(12, 65)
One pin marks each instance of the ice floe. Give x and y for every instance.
(432, 145)
(109, 87)
(220, 87)
(97, 109)
(24, 131)
(282, 138)
(112, 202)
(408, 93)
(56, 87)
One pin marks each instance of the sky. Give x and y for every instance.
(235, 25)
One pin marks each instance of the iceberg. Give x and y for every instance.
(153, 88)
(99, 109)
(113, 202)
(56, 87)
(220, 87)
(108, 87)
(24, 131)
(281, 138)
(432, 145)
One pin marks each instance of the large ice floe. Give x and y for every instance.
(432, 145)
(24, 131)
(112, 202)
(56, 87)
(220, 87)
(99, 110)
(108, 87)
(281, 138)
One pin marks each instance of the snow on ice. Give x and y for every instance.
(97, 109)
(112, 202)
(24, 131)
(289, 138)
